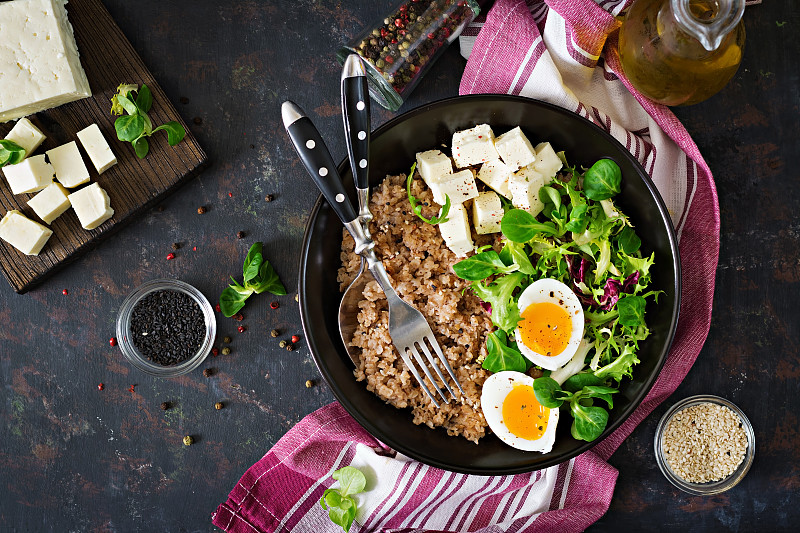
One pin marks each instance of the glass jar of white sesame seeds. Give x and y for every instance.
(704, 445)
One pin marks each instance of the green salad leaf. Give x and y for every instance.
(498, 293)
(339, 503)
(136, 126)
(500, 356)
(481, 266)
(10, 153)
(258, 276)
(603, 180)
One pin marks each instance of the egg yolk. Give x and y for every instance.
(523, 415)
(545, 328)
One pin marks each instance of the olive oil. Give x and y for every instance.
(681, 52)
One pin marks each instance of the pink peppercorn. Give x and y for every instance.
(170, 256)
(65, 292)
(295, 338)
(240, 329)
(112, 341)
(100, 386)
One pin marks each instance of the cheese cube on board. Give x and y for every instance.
(434, 166)
(23, 233)
(92, 205)
(524, 186)
(487, 212)
(547, 162)
(70, 169)
(50, 202)
(39, 59)
(515, 149)
(496, 174)
(97, 147)
(26, 135)
(33, 174)
(474, 146)
(455, 231)
(460, 187)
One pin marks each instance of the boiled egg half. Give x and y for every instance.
(552, 323)
(515, 415)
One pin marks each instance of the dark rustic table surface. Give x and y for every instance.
(73, 458)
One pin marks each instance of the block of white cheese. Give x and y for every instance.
(547, 162)
(455, 231)
(23, 233)
(33, 174)
(487, 212)
(474, 146)
(97, 147)
(434, 166)
(50, 202)
(459, 186)
(515, 149)
(70, 169)
(524, 186)
(92, 205)
(26, 135)
(495, 174)
(39, 63)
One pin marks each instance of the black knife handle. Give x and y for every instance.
(355, 105)
(319, 164)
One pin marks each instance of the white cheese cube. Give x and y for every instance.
(26, 135)
(23, 233)
(434, 166)
(496, 174)
(524, 186)
(455, 231)
(33, 174)
(474, 146)
(487, 212)
(547, 162)
(97, 147)
(39, 63)
(50, 202)
(460, 187)
(515, 149)
(70, 169)
(92, 205)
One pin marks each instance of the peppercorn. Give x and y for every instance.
(170, 256)
(295, 338)
(208, 372)
(197, 120)
(309, 383)
(176, 245)
(160, 208)
(240, 329)
(184, 100)
(297, 298)
(218, 406)
(217, 308)
(269, 198)
(226, 351)
(214, 352)
(238, 316)
(227, 340)
(290, 347)
(274, 305)
(65, 292)
(240, 235)
(100, 386)
(188, 440)
(274, 333)
(282, 344)
(164, 406)
(112, 341)
(201, 210)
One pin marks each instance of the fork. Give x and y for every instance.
(408, 329)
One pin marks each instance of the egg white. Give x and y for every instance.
(539, 292)
(494, 393)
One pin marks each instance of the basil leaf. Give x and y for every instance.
(628, 241)
(520, 226)
(231, 301)
(269, 281)
(255, 249)
(579, 381)
(253, 269)
(481, 266)
(545, 389)
(603, 180)
(10, 153)
(500, 356)
(144, 99)
(175, 132)
(589, 421)
(129, 127)
(141, 147)
(351, 480)
(631, 310)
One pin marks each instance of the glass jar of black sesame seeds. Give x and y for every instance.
(401, 47)
(166, 328)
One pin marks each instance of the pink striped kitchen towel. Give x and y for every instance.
(549, 50)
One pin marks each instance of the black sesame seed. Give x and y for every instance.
(167, 327)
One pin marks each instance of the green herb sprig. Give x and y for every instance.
(259, 276)
(589, 420)
(10, 153)
(136, 126)
(338, 502)
(418, 208)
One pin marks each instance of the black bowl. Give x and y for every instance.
(394, 146)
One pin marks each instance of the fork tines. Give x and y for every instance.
(422, 345)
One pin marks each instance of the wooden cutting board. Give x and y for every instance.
(133, 184)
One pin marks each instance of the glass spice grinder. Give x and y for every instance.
(401, 46)
(681, 52)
